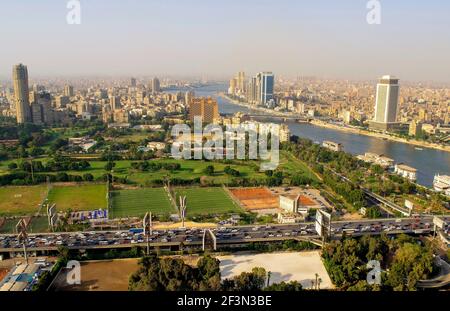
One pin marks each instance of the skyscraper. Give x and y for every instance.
(251, 91)
(386, 103)
(156, 87)
(232, 88)
(265, 84)
(21, 93)
(115, 103)
(68, 90)
(188, 97)
(133, 82)
(241, 82)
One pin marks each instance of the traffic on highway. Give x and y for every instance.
(224, 235)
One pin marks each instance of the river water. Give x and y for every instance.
(428, 162)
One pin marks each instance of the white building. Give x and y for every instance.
(287, 218)
(386, 103)
(374, 158)
(441, 183)
(333, 146)
(406, 171)
(154, 145)
(84, 143)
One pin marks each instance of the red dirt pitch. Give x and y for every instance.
(255, 198)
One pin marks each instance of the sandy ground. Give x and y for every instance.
(299, 266)
(113, 275)
(105, 275)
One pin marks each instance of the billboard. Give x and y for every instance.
(323, 223)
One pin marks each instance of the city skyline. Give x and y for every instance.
(198, 38)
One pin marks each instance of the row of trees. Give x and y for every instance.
(57, 164)
(404, 261)
(171, 274)
(146, 166)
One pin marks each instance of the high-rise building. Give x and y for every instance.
(115, 103)
(415, 128)
(232, 88)
(62, 101)
(21, 93)
(45, 101)
(265, 84)
(188, 97)
(68, 90)
(386, 103)
(133, 82)
(206, 108)
(156, 86)
(241, 82)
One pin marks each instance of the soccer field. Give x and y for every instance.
(140, 201)
(79, 197)
(203, 201)
(21, 200)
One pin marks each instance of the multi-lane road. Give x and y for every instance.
(224, 235)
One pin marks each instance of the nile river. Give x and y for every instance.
(428, 162)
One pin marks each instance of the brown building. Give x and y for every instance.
(206, 108)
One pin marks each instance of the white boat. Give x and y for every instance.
(419, 149)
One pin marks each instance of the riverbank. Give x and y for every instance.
(254, 108)
(413, 142)
(417, 143)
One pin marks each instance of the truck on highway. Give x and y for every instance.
(136, 230)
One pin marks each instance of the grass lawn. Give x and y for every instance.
(292, 166)
(21, 200)
(140, 201)
(9, 226)
(78, 198)
(135, 137)
(38, 224)
(203, 201)
(189, 169)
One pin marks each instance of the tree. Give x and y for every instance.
(12, 166)
(411, 263)
(209, 170)
(88, 177)
(248, 281)
(292, 286)
(169, 274)
(109, 166)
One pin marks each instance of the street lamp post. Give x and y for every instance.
(22, 236)
(182, 209)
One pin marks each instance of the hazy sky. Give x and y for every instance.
(329, 38)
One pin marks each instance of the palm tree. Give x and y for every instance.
(317, 277)
(268, 277)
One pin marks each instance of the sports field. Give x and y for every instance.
(139, 201)
(203, 201)
(255, 198)
(21, 200)
(78, 197)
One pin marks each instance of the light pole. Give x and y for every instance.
(147, 224)
(22, 236)
(182, 209)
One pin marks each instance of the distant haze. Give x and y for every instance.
(325, 38)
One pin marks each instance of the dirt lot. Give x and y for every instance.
(105, 275)
(298, 266)
(3, 273)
